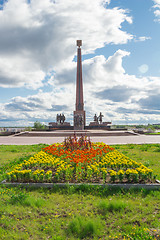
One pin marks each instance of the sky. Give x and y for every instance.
(120, 60)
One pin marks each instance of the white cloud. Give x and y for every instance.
(40, 36)
(19, 72)
(107, 88)
(142, 39)
(157, 11)
(39, 39)
(156, 2)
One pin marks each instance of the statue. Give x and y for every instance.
(78, 120)
(100, 117)
(63, 118)
(95, 118)
(60, 118)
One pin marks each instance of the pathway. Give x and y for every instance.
(138, 139)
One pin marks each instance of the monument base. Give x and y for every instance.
(80, 128)
(79, 120)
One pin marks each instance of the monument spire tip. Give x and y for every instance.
(79, 43)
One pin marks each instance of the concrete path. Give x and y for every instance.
(137, 139)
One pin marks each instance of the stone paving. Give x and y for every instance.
(135, 139)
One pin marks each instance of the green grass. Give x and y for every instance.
(111, 206)
(154, 133)
(79, 212)
(80, 227)
(11, 155)
(148, 154)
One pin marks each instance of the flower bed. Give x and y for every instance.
(78, 160)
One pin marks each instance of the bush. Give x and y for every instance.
(39, 126)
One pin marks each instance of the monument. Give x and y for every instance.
(98, 123)
(60, 123)
(79, 113)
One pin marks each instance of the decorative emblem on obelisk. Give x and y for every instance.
(79, 113)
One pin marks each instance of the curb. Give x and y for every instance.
(50, 185)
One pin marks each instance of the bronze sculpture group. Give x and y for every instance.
(99, 118)
(60, 118)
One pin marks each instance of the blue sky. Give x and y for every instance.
(121, 64)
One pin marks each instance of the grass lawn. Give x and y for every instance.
(79, 212)
(147, 154)
(155, 133)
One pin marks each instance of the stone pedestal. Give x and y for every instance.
(79, 120)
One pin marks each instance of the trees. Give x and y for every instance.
(39, 126)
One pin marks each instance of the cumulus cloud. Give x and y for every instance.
(107, 88)
(19, 72)
(117, 93)
(157, 9)
(37, 48)
(39, 36)
(43, 101)
(142, 39)
(42, 107)
(152, 102)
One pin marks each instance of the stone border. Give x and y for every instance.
(50, 185)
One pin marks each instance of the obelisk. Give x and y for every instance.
(79, 113)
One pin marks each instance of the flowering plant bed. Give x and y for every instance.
(77, 160)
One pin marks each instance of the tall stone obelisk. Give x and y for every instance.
(79, 113)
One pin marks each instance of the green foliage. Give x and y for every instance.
(23, 198)
(139, 233)
(147, 163)
(144, 148)
(151, 127)
(157, 149)
(157, 126)
(11, 155)
(28, 129)
(119, 126)
(33, 202)
(20, 197)
(73, 213)
(144, 153)
(124, 152)
(56, 208)
(39, 126)
(82, 228)
(131, 146)
(111, 206)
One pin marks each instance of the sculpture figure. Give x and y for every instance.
(95, 118)
(63, 118)
(60, 118)
(78, 120)
(100, 117)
